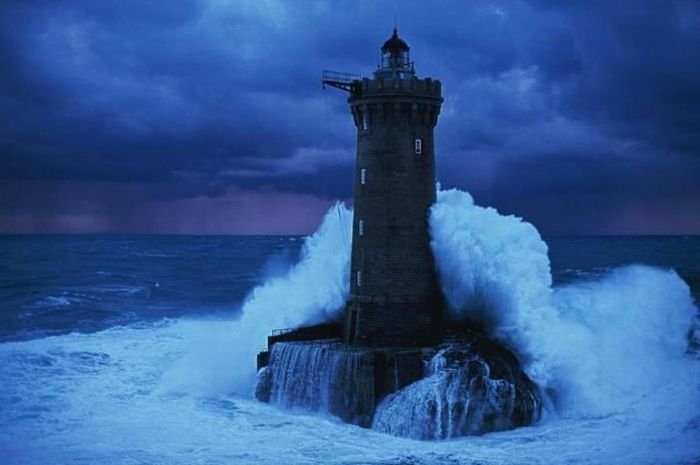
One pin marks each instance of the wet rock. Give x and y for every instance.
(469, 388)
(263, 388)
(473, 385)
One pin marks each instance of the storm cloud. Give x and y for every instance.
(189, 116)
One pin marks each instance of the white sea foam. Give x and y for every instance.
(494, 271)
(610, 351)
(597, 345)
(53, 301)
(95, 398)
(313, 290)
(612, 348)
(594, 344)
(621, 338)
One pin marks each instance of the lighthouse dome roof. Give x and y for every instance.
(395, 43)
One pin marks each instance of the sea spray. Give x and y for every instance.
(631, 338)
(596, 345)
(494, 271)
(312, 291)
(92, 398)
(322, 377)
(464, 392)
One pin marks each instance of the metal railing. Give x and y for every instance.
(280, 332)
(337, 76)
(343, 81)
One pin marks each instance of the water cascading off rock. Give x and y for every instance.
(470, 387)
(458, 397)
(320, 377)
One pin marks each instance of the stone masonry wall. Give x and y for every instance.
(395, 298)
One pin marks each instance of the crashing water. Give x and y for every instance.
(597, 347)
(312, 291)
(321, 377)
(593, 346)
(454, 399)
(102, 398)
(611, 348)
(470, 387)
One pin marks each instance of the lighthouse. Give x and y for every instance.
(388, 365)
(394, 296)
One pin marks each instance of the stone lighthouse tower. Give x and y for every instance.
(394, 295)
(394, 320)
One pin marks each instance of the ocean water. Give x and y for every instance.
(140, 349)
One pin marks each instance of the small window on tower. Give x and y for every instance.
(365, 121)
(358, 278)
(419, 146)
(363, 176)
(361, 228)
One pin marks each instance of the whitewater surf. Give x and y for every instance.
(610, 351)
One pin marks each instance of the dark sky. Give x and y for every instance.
(207, 116)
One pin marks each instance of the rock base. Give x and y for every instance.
(469, 385)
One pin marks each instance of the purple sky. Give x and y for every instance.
(207, 117)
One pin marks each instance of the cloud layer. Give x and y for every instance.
(584, 118)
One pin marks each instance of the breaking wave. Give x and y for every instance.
(313, 290)
(595, 346)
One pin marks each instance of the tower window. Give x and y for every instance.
(363, 176)
(418, 146)
(361, 228)
(358, 278)
(365, 121)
